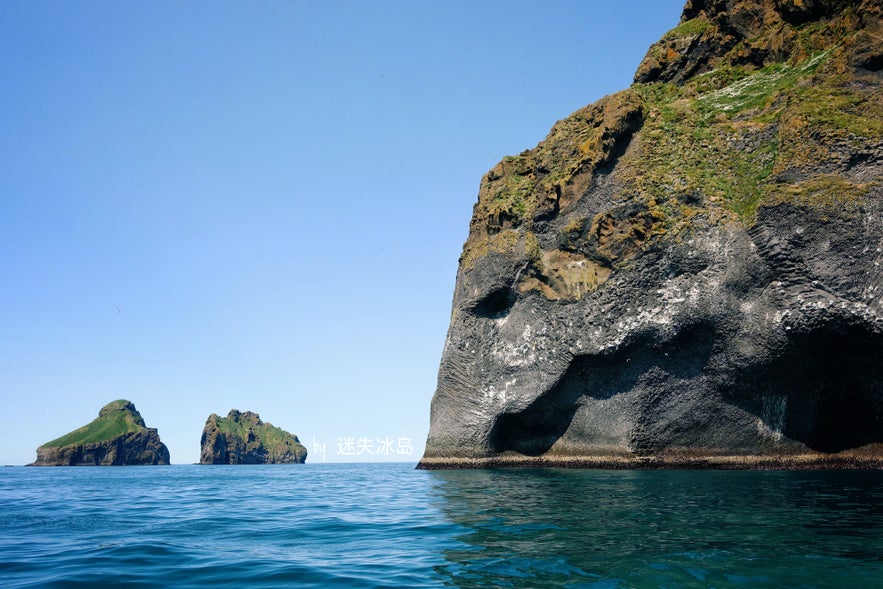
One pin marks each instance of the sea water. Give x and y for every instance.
(388, 525)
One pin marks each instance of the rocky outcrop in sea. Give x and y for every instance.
(117, 437)
(242, 438)
(688, 272)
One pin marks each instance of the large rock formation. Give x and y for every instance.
(117, 437)
(242, 438)
(688, 272)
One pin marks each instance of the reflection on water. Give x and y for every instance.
(585, 528)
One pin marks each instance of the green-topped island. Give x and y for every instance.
(242, 438)
(117, 437)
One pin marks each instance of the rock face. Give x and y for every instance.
(117, 437)
(242, 438)
(688, 272)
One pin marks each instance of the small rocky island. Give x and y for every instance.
(242, 438)
(117, 437)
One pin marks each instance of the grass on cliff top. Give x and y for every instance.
(725, 133)
(101, 429)
(267, 433)
(719, 147)
(695, 26)
(686, 151)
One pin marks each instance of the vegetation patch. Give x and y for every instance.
(512, 197)
(504, 242)
(688, 155)
(694, 26)
(267, 433)
(111, 423)
(536, 182)
(841, 110)
(717, 146)
(825, 193)
(757, 89)
(720, 138)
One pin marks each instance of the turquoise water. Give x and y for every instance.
(391, 526)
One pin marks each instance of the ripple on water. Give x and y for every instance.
(391, 526)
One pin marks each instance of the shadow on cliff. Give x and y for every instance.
(535, 430)
(824, 390)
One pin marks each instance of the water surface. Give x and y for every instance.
(391, 526)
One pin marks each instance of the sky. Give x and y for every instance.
(260, 205)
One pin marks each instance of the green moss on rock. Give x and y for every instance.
(736, 124)
(828, 194)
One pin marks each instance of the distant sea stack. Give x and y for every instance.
(242, 438)
(117, 437)
(688, 273)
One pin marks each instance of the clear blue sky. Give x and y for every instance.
(207, 205)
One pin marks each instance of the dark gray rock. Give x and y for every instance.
(142, 447)
(685, 275)
(117, 437)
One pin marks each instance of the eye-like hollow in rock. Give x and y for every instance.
(495, 304)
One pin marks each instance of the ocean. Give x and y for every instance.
(388, 525)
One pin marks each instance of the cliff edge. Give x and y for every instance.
(689, 272)
(117, 437)
(242, 438)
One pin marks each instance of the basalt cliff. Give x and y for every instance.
(689, 272)
(117, 437)
(242, 438)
